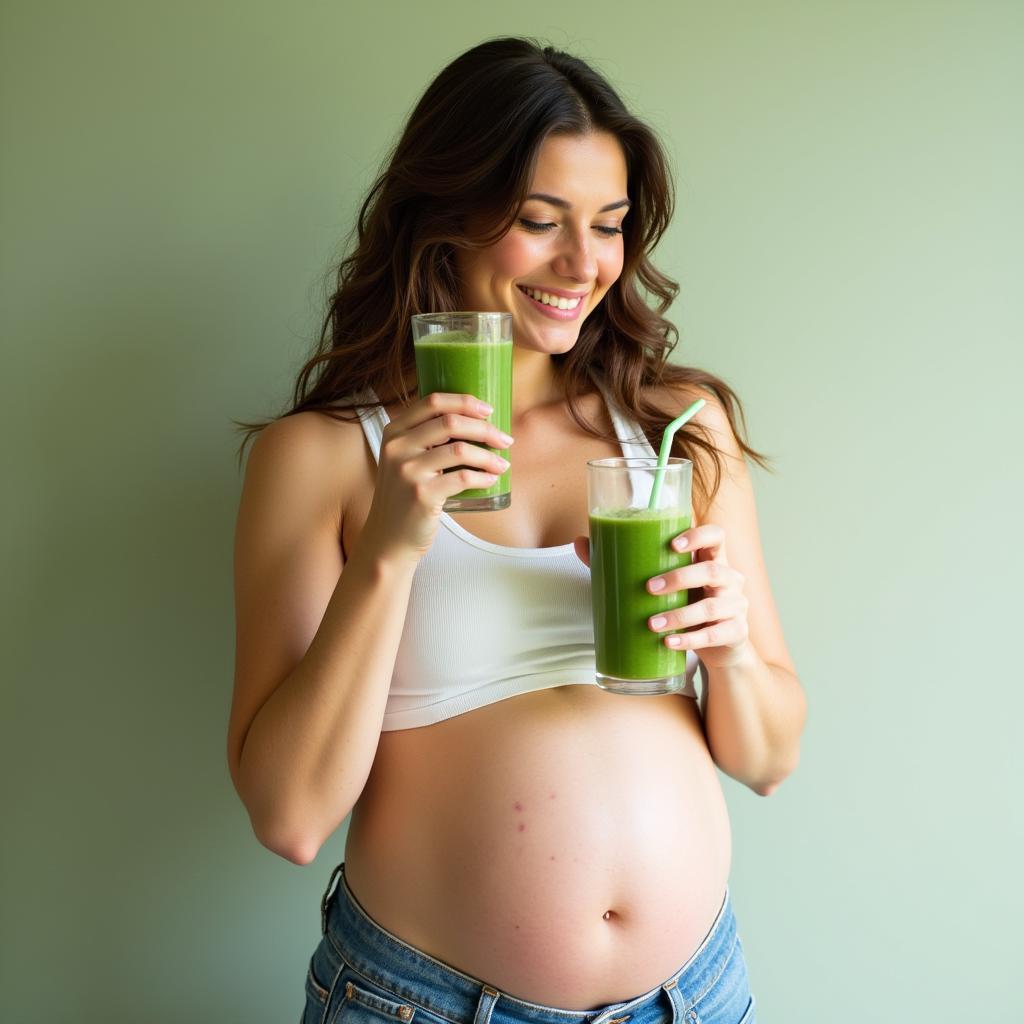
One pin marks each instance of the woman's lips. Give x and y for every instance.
(550, 311)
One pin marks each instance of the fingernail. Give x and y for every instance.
(658, 622)
(657, 584)
(680, 543)
(484, 407)
(506, 440)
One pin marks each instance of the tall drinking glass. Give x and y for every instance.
(629, 543)
(470, 353)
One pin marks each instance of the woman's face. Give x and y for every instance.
(568, 244)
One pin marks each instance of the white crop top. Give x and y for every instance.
(486, 622)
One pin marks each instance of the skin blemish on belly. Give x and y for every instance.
(522, 826)
(518, 806)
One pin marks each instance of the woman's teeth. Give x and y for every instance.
(551, 300)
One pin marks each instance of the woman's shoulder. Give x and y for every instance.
(313, 455)
(675, 397)
(308, 436)
(718, 457)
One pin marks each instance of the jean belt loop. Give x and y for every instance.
(325, 902)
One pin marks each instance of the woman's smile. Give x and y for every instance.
(566, 309)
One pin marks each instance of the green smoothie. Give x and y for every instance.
(627, 548)
(454, 362)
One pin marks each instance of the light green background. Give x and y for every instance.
(176, 180)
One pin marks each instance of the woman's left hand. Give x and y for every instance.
(716, 616)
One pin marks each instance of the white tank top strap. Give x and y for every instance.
(373, 419)
(634, 445)
(633, 440)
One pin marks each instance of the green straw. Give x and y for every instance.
(666, 447)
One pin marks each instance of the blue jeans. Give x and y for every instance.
(362, 974)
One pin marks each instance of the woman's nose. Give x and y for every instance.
(577, 259)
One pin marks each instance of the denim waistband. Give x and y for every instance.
(391, 962)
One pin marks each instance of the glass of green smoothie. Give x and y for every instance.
(630, 543)
(470, 354)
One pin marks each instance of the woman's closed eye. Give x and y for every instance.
(532, 225)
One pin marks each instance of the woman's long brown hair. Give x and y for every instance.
(467, 155)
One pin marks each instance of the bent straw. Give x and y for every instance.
(666, 447)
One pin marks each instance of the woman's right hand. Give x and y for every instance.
(422, 441)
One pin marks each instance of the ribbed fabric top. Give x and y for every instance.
(486, 622)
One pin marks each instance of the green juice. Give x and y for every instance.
(627, 548)
(455, 363)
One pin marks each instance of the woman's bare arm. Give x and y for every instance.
(754, 708)
(315, 645)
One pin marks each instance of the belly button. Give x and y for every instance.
(608, 915)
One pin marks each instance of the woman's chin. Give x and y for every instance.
(553, 342)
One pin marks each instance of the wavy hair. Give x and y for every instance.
(467, 156)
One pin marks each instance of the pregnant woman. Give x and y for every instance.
(525, 847)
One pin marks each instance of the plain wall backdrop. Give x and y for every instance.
(176, 181)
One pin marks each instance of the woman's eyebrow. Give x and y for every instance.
(566, 205)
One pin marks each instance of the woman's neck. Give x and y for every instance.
(534, 381)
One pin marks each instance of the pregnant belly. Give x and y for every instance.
(570, 847)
